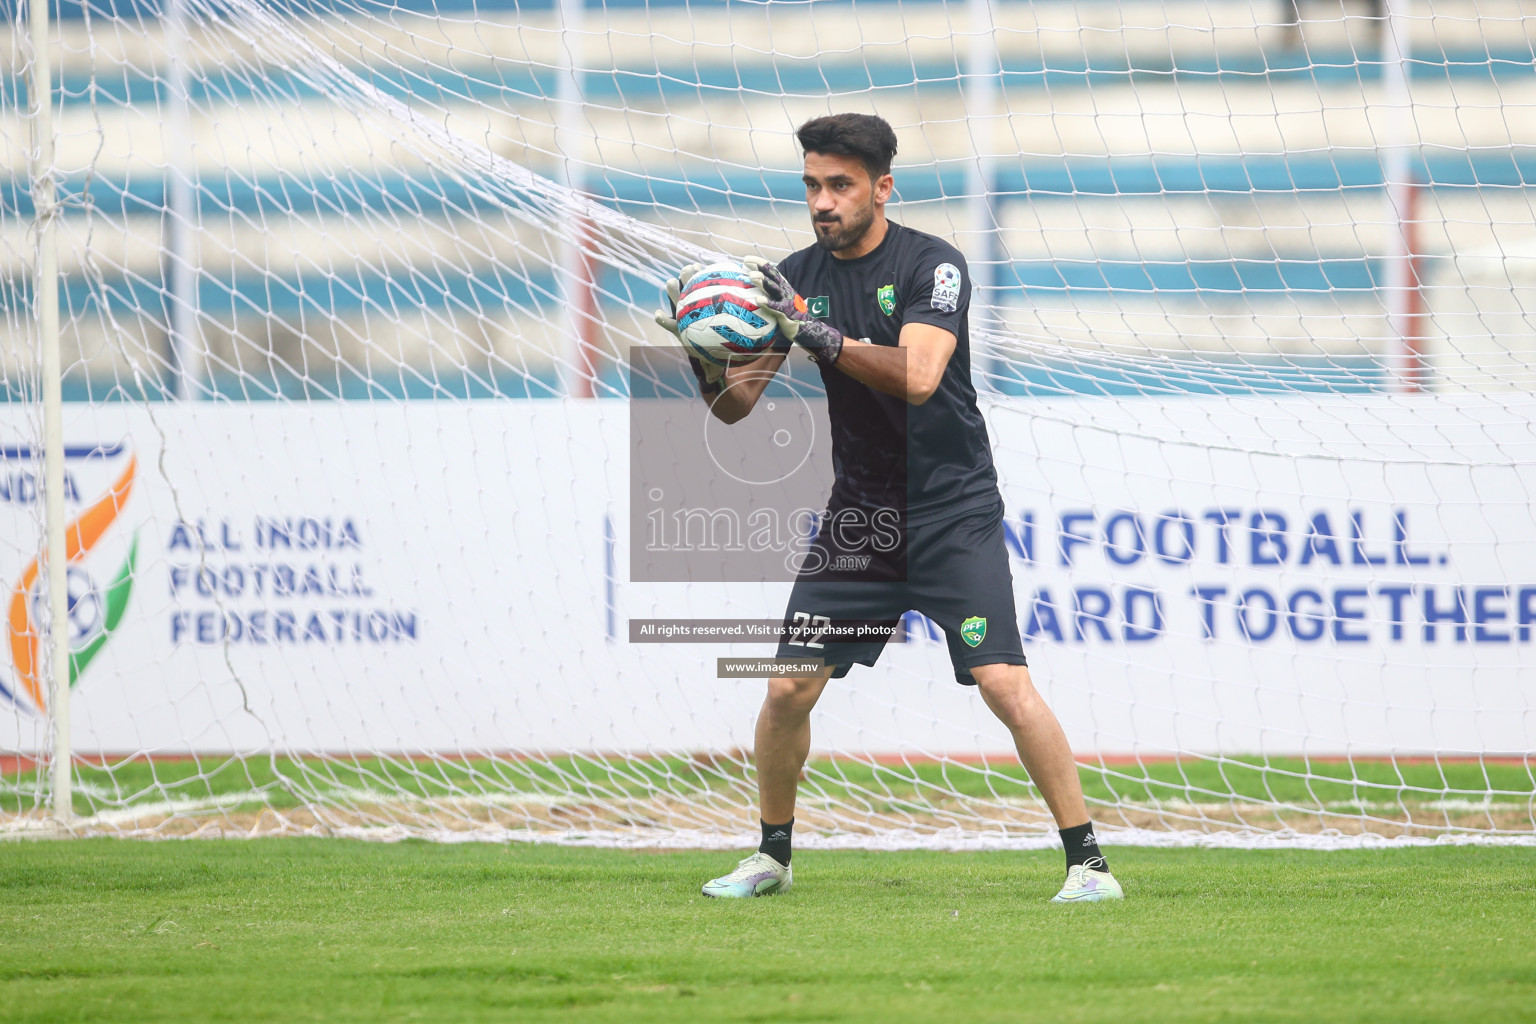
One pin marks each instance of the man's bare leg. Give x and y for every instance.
(783, 743)
(1042, 745)
(1043, 748)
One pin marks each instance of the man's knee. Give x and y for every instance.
(1001, 677)
(796, 694)
(1007, 688)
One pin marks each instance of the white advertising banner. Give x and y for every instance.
(1245, 575)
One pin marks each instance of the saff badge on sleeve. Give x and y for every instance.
(946, 287)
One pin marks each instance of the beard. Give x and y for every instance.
(836, 235)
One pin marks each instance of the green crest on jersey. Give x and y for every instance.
(887, 298)
(819, 306)
(974, 630)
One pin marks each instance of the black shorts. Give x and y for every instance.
(956, 573)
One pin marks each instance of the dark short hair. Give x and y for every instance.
(865, 136)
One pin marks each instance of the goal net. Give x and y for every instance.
(362, 397)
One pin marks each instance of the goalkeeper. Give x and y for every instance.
(886, 323)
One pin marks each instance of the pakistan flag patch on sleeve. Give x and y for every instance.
(887, 298)
(974, 630)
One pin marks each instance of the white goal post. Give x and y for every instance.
(340, 523)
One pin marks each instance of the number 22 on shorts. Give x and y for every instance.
(807, 630)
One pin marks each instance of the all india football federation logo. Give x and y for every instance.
(974, 630)
(95, 608)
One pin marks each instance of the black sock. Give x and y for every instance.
(1082, 847)
(776, 840)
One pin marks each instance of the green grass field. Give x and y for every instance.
(298, 930)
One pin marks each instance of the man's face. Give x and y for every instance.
(842, 199)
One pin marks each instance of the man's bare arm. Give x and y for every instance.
(912, 371)
(743, 386)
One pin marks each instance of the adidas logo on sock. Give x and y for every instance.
(1090, 839)
(779, 834)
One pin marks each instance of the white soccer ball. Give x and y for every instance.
(719, 319)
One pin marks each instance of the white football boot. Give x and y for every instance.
(1087, 883)
(757, 875)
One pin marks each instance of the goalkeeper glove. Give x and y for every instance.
(796, 326)
(667, 318)
(708, 375)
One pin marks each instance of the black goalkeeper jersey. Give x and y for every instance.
(934, 459)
